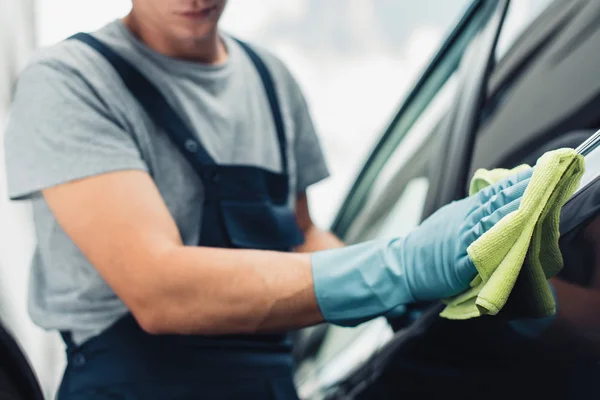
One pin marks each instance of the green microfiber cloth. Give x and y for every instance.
(520, 253)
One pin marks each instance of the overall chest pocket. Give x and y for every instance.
(261, 225)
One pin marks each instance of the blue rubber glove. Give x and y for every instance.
(364, 281)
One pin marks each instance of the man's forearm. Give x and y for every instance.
(224, 291)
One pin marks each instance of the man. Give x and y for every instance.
(168, 165)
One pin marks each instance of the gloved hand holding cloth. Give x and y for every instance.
(379, 277)
(516, 257)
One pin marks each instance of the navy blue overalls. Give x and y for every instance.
(244, 207)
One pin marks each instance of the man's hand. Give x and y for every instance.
(438, 265)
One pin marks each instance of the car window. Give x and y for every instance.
(519, 16)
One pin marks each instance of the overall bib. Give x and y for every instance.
(244, 207)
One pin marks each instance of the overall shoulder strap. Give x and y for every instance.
(154, 103)
(269, 86)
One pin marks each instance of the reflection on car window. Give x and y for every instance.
(520, 14)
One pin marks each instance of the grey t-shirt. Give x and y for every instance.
(72, 117)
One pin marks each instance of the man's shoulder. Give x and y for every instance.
(66, 61)
(65, 54)
(67, 71)
(69, 56)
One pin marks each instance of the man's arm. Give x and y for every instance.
(314, 238)
(121, 224)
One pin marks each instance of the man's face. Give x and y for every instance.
(181, 19)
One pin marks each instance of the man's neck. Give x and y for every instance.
(207, 50)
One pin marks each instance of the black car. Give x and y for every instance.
(505, 87)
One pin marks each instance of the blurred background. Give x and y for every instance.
(355, 60)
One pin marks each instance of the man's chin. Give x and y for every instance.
(196, 33)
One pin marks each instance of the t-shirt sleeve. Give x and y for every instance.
(310, 161)
(60, 130)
